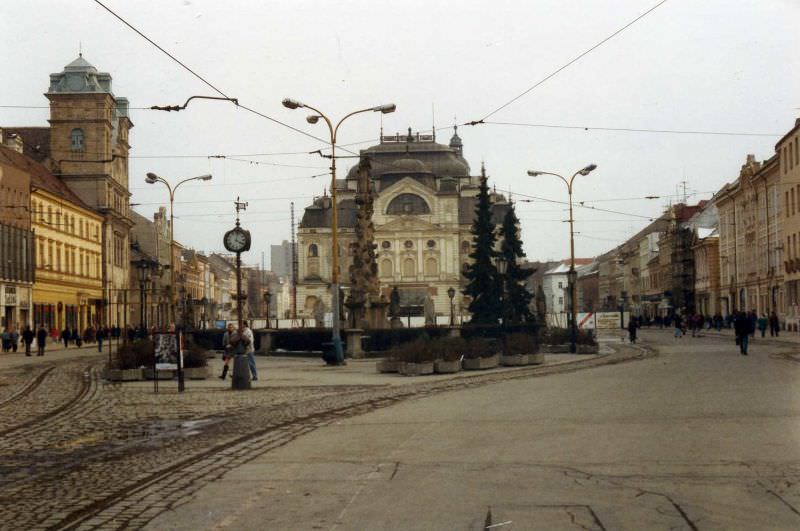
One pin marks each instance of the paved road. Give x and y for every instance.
(697, 437)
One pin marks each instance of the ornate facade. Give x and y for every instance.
(424, 205)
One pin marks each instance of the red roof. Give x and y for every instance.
(35, 141)
(41, 178)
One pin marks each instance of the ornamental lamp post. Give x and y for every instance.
(333, 130)
(152, 178)
(502, 267)
(571, 275)
(267, 299)
(451, 292)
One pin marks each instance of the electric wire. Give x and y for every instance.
(636, 130)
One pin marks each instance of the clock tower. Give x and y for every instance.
(89, 147)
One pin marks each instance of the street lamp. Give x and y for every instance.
(143, 273)
(267, 299)
(571, 275)
(152, 178)
(333, 130)
(451, 292)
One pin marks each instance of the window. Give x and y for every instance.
(431, 244)
(464, 247)
(77, 139)
(49, 214)
(409, 268)
(386, 268)
(408, 205)
(431, 267)
(560, 285)
(386, 244)
(313, 251)
(408, 244)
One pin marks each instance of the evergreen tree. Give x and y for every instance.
(481, 274)
(517, 298)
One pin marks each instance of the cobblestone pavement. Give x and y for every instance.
(79, 453)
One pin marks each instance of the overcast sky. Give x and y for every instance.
(698, 65)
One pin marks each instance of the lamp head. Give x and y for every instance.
(588, 169)
(502, 265)
(312, 119)
(385, 109)
(534, 173)
(206, 177)
(451, 292)
(289, 103)
(151, 178)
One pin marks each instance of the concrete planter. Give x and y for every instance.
(386, 366)
(124, 375)
(163, 374)
(588, 349)
(416, 369)
(195, 373)
(536, 359)
(555, 349)
(478, 364)
(514, 360)
(446, 367)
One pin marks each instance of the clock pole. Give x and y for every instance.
(237, 241)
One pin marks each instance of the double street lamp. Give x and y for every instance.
(152, 178)
(571, 274)
(333, 130)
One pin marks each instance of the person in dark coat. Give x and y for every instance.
(774, 324)
(65, 335)
(101, 335)
(743, 329)
(41, 339)
(633, 324)
(27, 339)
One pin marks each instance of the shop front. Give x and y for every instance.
(15, 300)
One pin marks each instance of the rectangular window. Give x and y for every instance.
(793, 203)
(796, 156)
(787, 203)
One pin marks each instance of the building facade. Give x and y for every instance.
(788, 161)
(424, 206)
(16, 239)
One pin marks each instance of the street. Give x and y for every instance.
(686, 435)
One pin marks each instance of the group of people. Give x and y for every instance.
(11, 339)
(235, 343)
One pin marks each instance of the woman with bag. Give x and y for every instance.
(228, 354)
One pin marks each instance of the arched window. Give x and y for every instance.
(386, 268)
(409, 268)
(408, 205)
(431, 267)
(465, 247)
(313, 251)
(77, 139)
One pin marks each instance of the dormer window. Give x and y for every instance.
(77, 140)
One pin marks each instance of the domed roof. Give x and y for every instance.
(80, 64)
(404, 165)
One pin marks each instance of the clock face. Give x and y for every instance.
(236, 241)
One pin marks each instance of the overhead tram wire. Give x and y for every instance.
(634, 130)
(205, 81)
(576, 59)
(530, 198)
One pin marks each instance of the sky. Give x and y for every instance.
(727, 66)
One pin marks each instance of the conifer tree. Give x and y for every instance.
(516, 302)
(482, 285)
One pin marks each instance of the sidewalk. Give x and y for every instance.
(788, 338)
(53, 352)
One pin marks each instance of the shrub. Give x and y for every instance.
(480, 347)
(496, 331)
(301, 339)
(561, 336)
(418, 351)
(520, 343)
(194, 356)
(132, 355)
(390, 338)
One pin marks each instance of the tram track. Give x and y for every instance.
(28, 388)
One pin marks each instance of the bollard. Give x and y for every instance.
(241, 373)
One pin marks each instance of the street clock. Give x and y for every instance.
(237, 240)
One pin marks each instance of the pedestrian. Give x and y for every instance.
(228, 352)
(6, 337)
(14, 339)
(65, 335)
(100, 335)
(41, 339)
(774, 324)
(250, 349)
(77, 337)
(741, 326)
(762, 324)
(27, 339)
(633, 324)
(753, 318)
(678, 321)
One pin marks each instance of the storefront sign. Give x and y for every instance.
(10, 296)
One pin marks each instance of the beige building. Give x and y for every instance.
(706, 276)
(788, 162)
(750, 236)
(86, 147)
(424, 205)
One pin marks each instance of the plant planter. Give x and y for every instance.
(416, 369)
(124, 375)
(195, 373)
(555, 349)
(536, 359)
(447, 367)
(386, 366)
(514, 360)
(163, 374)
(588, 349)
(477, 364)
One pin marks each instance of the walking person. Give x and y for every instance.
(677, 321)
(65, 335)
(743, 329)
(762, 324)
(14, 339)
(6, 338)
(250, 350)
(774, 324)
(27, 339)
(100, 335)
(633, 324)
(41, 339)
(228, 353)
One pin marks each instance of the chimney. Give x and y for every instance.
(11, 140)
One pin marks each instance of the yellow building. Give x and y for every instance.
(68, 287)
